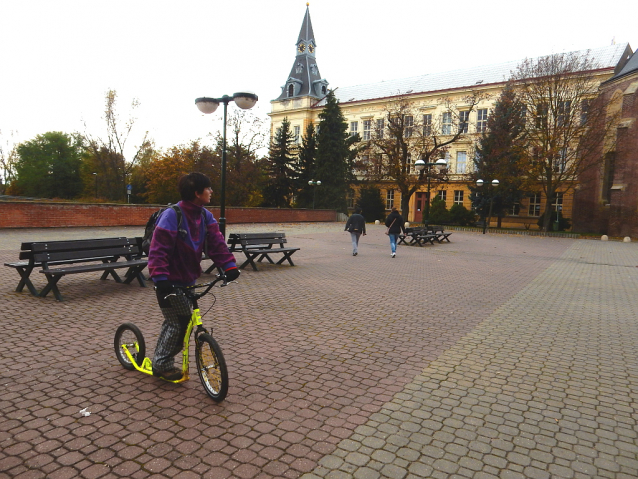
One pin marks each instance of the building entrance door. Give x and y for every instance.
(420, 205)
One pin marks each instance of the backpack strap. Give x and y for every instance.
(180, 227)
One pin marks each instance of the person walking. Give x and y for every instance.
(356, 225)
(395, 225)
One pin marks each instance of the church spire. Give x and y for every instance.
(304, 78)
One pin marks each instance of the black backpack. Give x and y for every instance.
(152, 221)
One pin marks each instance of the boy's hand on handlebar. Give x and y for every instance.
(232, 274)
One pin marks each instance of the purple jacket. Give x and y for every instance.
(177, 258)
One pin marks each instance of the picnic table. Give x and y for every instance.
(424, 234)
(60, 258)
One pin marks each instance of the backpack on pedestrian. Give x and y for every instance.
(152, 221)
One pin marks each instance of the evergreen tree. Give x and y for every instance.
(371, 203)
(49, 166)
(334, 155)
(306, 165)
(500, 154)
(280, 168)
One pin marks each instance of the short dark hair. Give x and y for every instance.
(357, 210)
(190, 184)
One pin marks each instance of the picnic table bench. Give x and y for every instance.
(260, 246)
(59, 258)
(418, 236)
(440, 233)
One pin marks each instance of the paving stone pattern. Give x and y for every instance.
(491, 356)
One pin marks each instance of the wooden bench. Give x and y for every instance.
(57, 259)
(260, 246)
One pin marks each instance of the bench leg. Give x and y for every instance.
(135, 273)
(25, 281)
(250, 259)
(111, 272)
(52, 286)
(287, 256)
(265, 255)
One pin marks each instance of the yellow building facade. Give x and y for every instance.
(429, 97)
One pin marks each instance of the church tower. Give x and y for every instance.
(304, 78)
(303, 89)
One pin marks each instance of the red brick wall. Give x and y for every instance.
(17, 214)
(619, 217)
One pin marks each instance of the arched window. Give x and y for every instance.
(291, 90)
(323, 90)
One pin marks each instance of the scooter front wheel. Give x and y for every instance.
(130, 336)
(211, 367)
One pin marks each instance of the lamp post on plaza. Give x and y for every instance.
(420, 166)
(244, 100)
(480, 183)
(314, 190)
(95, 174)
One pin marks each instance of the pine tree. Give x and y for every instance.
(306, 165)
(280, 168)
(333, 158)
(500, 154)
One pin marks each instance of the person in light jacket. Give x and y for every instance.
(356, 225)
(395, 225)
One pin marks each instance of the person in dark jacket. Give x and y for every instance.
(395, 225)
(174, 260)
(356, 225)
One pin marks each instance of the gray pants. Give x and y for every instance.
(171, 336)
(355, 241)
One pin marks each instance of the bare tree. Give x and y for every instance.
(8, 159)
(566, 124)
(407, 134)
(108, 156)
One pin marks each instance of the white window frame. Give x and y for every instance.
(464, 121)
(427, 124)
(534, 208)
(367, 130)
(446, 123)
(389, 199)
(408, 126)
(354, 128)
(558, 201)
(458, 197)
(297, 134)
(461, 166)
(380, 128)
(442, 194)
(481, 120)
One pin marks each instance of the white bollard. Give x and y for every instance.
(377, 222)
(626, 239)
(604, 238)
(407, 224)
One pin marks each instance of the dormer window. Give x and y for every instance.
(291, 90)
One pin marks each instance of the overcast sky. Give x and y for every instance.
(59, 57)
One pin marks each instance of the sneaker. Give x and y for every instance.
(171, 375)
(393, 255)
(355, 254)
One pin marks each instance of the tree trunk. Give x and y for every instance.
(547, 215)
(405, 206)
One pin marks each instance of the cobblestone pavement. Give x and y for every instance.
(490, 356)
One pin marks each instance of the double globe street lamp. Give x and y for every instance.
(244, 100)
(421, 165)
(314, 190)
(495, 183)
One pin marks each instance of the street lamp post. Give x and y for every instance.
(314, 184)
(480, 183)
(244, 100)
(95, 174)
(420, 166)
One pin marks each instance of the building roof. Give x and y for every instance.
(630, 67)
(605, 57)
